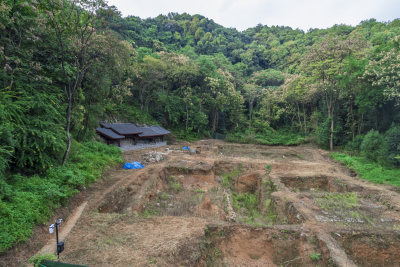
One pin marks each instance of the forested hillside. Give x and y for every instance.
(65, 65)
(331, 85)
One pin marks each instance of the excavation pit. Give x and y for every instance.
(115, 202)
(224, 167)
(186, 195)
(371, 249)
(189, 167)
(252, 200)
(353, 208)
(265, 153)
(186, 202)
(314, 184)
(157, 216)
(246, 246)
(244, 199)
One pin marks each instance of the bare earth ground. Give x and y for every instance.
(179, 212)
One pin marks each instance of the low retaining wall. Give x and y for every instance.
(126, 147)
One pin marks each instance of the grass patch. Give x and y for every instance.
(228, 177)
(344, 207)
(271, 137)
(184, 135)
(369, 170)
(267, 169)
(338, 202)
(270, 216)
(26, 201)
(315, 256)
(247, 205)
(149, 212)
(173, 184)
(38, 258)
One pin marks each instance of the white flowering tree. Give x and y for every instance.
(384, 69)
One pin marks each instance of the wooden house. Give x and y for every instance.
(130, 134)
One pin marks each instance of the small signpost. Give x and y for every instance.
(60, 248)
(60, 244)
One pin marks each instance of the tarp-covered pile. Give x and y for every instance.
(133, 165)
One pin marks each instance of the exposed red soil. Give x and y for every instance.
(176, 213)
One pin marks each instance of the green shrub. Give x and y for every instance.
(30, 130)
(315, 256)
(269, 136)
(5, 156)
(228, 177)
(267, 169)
(373, 146)
(246, 203)
(26, 201)
(129, 112)
(173, 184)
(38, 258)
(182, 134)
(354, 146)
(369, 170)
(323, 133)
(392, 138)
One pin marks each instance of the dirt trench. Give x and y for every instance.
(236, 205)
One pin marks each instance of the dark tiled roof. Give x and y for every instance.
(153, 131)
(105, 124)
(160, 130)
(116, 130)
(125, 128)
(110, 134)
(147, 131)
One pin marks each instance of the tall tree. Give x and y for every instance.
(73, 26)
(324, 64)
(251, 92)
(384, 69)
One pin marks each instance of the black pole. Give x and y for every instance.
(58, 251)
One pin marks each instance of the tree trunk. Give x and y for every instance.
(360, 125)
(86, 122)
(332, 127)
(11, 84)
(298, 116)
(305, 120)
(331, 135)
(187, 117)
(68, 129)
(251, 112)
(215, 121)
(141, 97)
(330, 103)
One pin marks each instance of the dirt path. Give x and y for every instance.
(310, 211)
(66, 228)
(121, 176)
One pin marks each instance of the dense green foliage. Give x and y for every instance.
(392, 146)
(65, 65)
(246, 203)
(331, 85)
(282, 136)
(373, 146)
(26, 201)
(370, 170)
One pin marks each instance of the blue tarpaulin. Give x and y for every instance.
(133, 165)
(185, 148)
